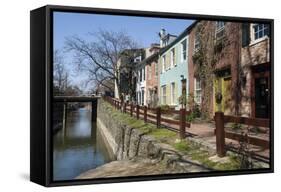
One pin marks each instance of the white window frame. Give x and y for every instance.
(173, 93)
(163, 63)
(173, 58)
(253, 40)
(143, 74)
(196, 90)
(137, 59)
(196, 42)
(220, 29)
(182, 50)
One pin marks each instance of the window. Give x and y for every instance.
(142, 97)
(137, 59)
(220, 30)
(173, 58)
(197, 91)
(196, 43)
(143, 73)
(260, 30)
(183, 50)
(173, 93)
(140, 75)
(139, 97)
(163, 63)
(164, 97)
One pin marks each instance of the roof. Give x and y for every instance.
(182, 35)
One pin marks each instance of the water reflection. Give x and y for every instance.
(79, 147)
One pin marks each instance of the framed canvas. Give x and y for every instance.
(126, 95)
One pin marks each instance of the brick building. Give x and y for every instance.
(229, 68)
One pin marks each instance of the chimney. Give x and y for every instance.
(162, 34)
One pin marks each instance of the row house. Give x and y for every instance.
(255, 62)
(126, 81)
(173, 68)
(226, 66)
(147, 78)
(229, 68)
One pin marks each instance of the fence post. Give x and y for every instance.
(138, 111)
(158, 117)
(182, 122)
(131, 112)
(145, 114)
(220, 135)
(125, 107)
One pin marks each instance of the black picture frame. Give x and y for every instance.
(41, 41)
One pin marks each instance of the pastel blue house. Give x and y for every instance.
(173, 67)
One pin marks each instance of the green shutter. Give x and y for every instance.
(245, 34)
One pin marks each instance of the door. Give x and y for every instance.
(262, 97)
(223, 85)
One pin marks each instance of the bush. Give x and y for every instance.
(164, 107)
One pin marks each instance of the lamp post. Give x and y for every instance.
(183, 108)
(183, 91)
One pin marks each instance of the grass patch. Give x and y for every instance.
(182, 146)
(163, 135)
(203, 156)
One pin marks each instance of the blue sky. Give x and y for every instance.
(144, 30)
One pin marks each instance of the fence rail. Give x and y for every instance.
(221, 134)
(154, 115)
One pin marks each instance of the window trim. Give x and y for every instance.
(163, 63)
(196, 43)
(173, 93)
(182, 52)
(173, 57)
(219, 30)
(196, 89)
(252, 35)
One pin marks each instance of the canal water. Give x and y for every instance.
(79, 147)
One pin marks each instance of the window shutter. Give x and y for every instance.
(245, 34)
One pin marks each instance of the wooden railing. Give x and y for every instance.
(221, 134)
(154, 115)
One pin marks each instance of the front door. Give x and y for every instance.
(223, 86)
(261, 97)
(261, 91)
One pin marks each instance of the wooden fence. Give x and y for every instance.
(221, 134)
(154, 115)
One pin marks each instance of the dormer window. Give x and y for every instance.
(137, 59)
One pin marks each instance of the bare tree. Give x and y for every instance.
(60, 73)
(100, 58)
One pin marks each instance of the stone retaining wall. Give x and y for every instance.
(129, 143)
